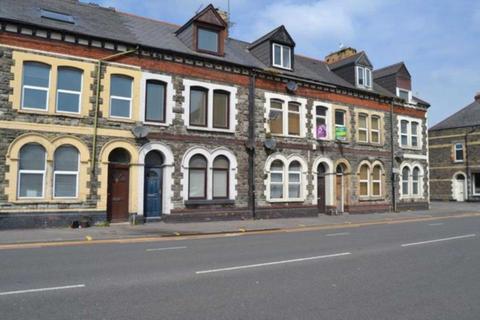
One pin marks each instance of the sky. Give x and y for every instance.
(438, 40)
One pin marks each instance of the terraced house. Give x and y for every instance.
(108, 116)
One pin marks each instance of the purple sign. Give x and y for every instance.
(321, 131)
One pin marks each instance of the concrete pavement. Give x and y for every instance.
(419, 270)
(161, 229)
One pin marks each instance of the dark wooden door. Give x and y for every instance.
(153, 192)
(340, 193)
(321, 201)
(117, 201)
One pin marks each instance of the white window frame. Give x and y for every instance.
(419, 133)
(47, 89)
(379, 181)
(409, 92)
(404, 194)
(365, 129)
(367, 181)
(169, 99)
(282, 183)
(416, 195)
(327, 118)
(378, 131)
(286, 181)
(121, 98)
(281, 46)
(42, 172)
(414, 134)
(410, 182)
(285, 100)
(210, 87)
(366, 74)
(66, 173)
(79, 93)
(335, 125)
(299, 118)
(299, 183)
(455, 149)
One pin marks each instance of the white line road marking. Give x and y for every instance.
(439, 240)
(165, 249)
(338, 234)
(42, 289)
(273, 263)
(436, 224)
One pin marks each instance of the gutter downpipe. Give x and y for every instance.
(97, 102)
(251, 145)
(392, 146)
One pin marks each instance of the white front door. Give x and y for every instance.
(460, 188)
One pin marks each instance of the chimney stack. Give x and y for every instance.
(477, 97)
(225, 17)
(340, 55)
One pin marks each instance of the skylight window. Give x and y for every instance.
(57, 16)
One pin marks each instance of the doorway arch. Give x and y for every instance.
(153, 185)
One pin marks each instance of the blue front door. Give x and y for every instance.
(153, 192)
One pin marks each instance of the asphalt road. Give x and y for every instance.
(421, 270)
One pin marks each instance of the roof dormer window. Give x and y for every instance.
(207, 40)
(404, 94)
(281, 56)
(364, 77)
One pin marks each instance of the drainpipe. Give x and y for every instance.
(251, 145)
(392, 146)
(97, 102)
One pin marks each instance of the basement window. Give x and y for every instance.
(57, 16)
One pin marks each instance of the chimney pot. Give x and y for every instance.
(477, 97)
(340, 55)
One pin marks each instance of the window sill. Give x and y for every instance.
(285, 200)
(207, 129)
(371, 199)
(125, 120)
(287, 136)
(370, 144)
(208, 202)
(43, 201)
(411, 148)
(156, 124)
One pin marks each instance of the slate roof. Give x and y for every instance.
(466, 117)
(388, 70)
(106, 23)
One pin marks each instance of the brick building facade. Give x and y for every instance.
(106, 115)
(454, 151)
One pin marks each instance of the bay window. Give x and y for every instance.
(35, 86)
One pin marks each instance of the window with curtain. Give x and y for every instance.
(35, 85)
(198, 106)
(155, 101)
(276, 179)
(197, 177)
(363, 127)
(375, 129)
(414, 133)
(120, 96)
(276, 116)
(293, 118)
(220, 109)
(65, 174)
(69, 87)
(321, 124)
(31, 174)
(405, 181)
(220, 177)
(364, 179)
(294, 179)
(376, 181)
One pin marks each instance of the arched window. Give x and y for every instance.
(155, 101)
(376, 181)
(220, 177)
(364, 180)
(121, 96)
(221, 101)
(276, 179)
(153, 159)
(65, 175)
(415, 181)
(69, 87)
(35, 85)
(31, 174)
(197, 177)
(198, 106)
(405, 181)
(294, 180)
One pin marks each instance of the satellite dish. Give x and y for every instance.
(292, 86)
(140, 131)
(270, 144)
